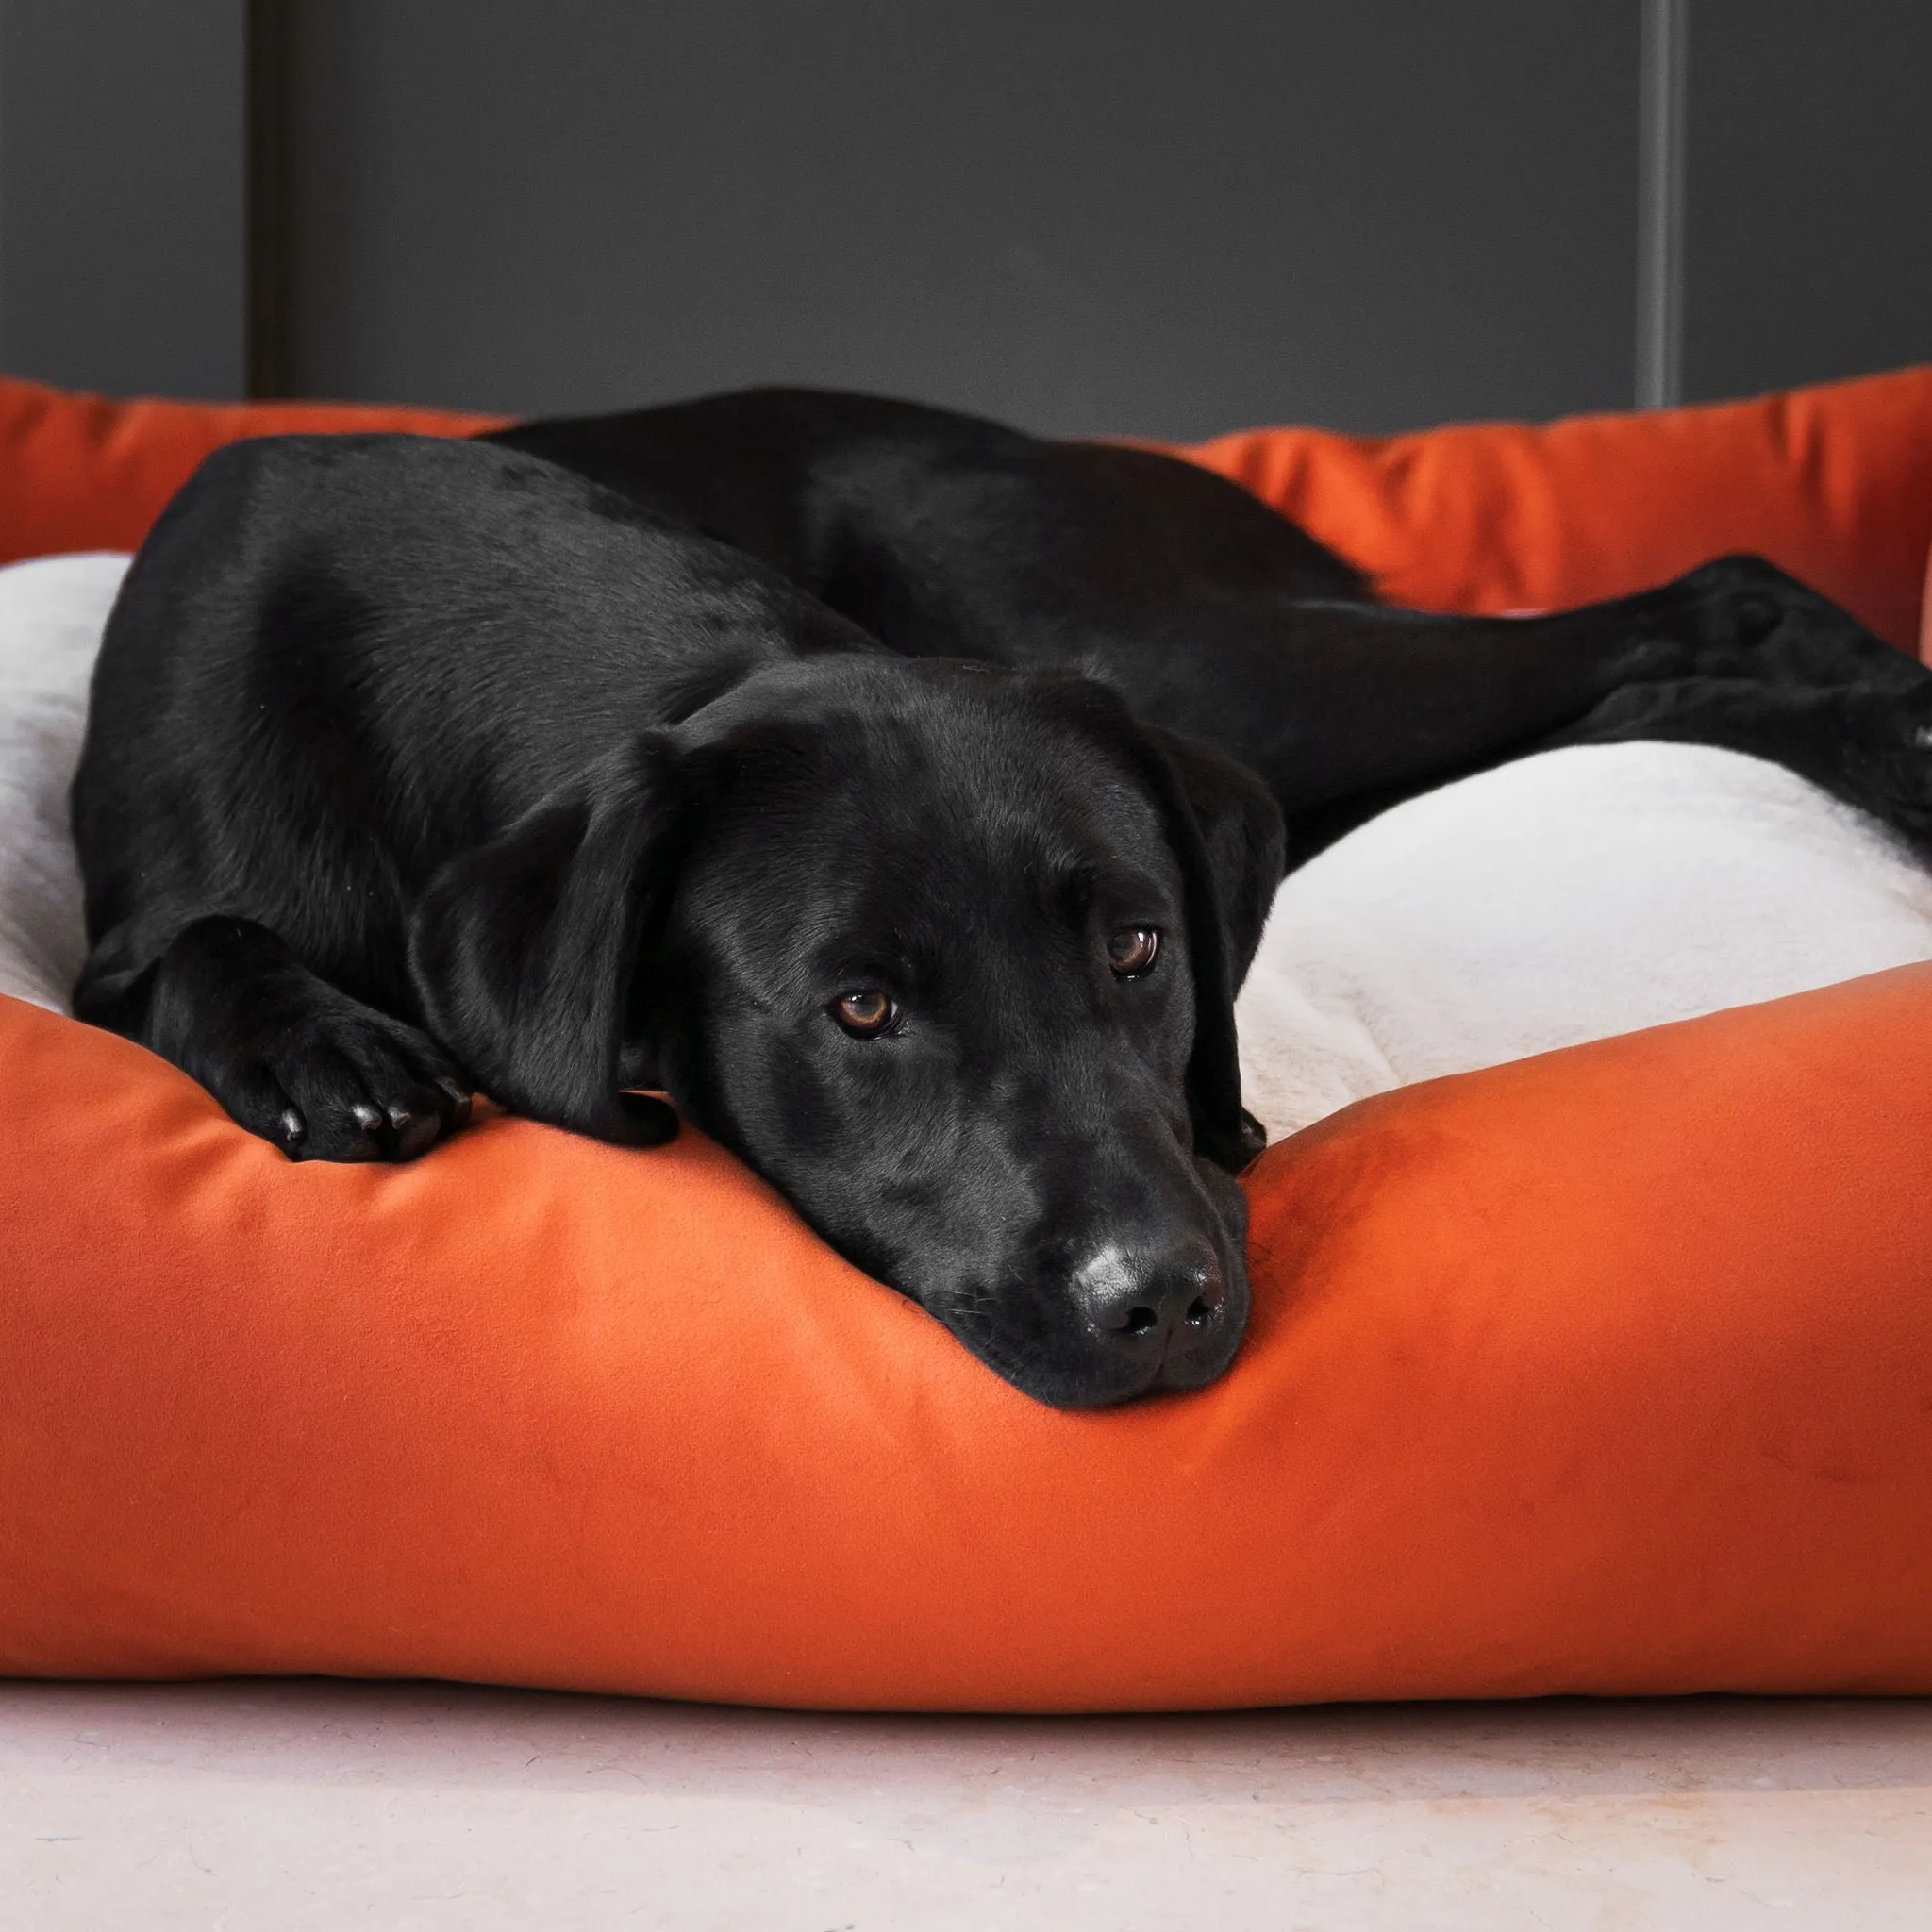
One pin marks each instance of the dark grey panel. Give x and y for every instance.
(1093, 214)
(122, 194)
(1809, 185)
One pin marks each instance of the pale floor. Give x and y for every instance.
(274, 1804)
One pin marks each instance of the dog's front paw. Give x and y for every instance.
(348, 1084)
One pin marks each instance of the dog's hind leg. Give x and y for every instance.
(1779, 671)
(1351, 709)
(292, 1058)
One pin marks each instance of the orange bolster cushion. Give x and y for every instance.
(1608, 1370)
(87, 472)
(1834, 483)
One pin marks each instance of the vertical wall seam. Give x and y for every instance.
(269, 272)
(1662, 139)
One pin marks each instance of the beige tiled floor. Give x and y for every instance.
(285, 1804)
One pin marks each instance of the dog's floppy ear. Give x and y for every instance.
(1228, 835)
(1242, 837)
(523, 951)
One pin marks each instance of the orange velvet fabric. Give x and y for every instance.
(1610, 1370)
(1834, 483)
(88, 472)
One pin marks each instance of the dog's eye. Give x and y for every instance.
(865, 1013)
(1131, 951)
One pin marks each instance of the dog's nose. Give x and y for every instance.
(1161, 1305)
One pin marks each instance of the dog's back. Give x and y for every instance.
(339, 660)
(945, 535)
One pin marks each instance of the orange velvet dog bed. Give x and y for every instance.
(1607, 1370)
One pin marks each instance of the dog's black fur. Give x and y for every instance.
(901, 794)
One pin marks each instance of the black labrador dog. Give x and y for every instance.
(902, 795)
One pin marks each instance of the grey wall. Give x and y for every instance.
(121, 258)
(1808, 230)
(1122, 214)
(1130, 215)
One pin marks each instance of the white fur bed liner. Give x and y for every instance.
(1558, 899)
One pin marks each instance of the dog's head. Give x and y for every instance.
(947, 953)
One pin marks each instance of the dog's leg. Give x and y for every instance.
(1348, 709)
(1781, 673)
(293, 1060)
